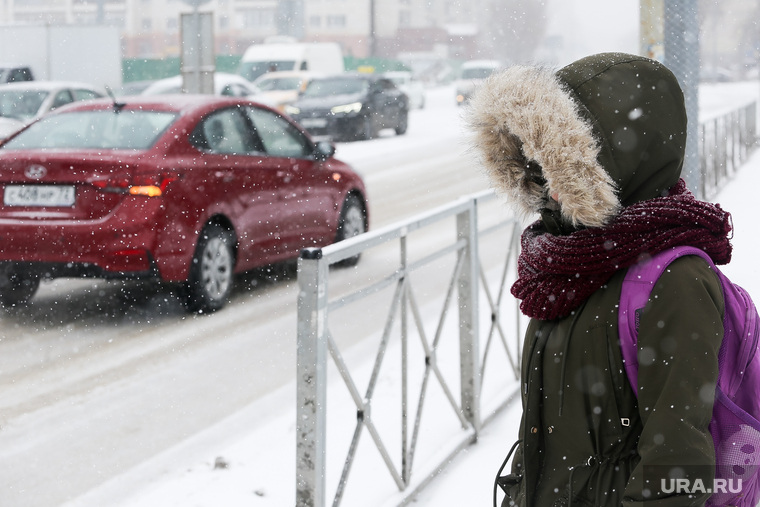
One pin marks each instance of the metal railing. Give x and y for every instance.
(725, 142)
(469, 279)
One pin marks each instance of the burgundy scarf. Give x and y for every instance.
(556, 274)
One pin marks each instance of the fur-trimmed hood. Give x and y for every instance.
(606, 131)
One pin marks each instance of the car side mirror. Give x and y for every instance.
(324, 150)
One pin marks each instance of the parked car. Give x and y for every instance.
(188, 189)
(413, 87)
(226, 84)
(24, 102)
(351, 106)
(13, 73)
(282, 88)
(472, 74)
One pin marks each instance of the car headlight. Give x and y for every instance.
(354, 107)
(291, 109)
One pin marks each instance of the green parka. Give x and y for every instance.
(607, 131)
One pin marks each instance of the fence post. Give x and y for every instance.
(752, 122)
(469, 351)
(311, 382)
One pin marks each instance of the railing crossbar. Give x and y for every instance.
(348, 248)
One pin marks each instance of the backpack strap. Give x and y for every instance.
(637, 287)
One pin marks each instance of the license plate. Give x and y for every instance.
(314, 122)
(39, 195)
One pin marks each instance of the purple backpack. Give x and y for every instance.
(735, 424)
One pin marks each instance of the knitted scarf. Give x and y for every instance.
(556, 274)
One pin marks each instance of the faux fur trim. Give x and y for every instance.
(524, 114)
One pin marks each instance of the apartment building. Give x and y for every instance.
(384, 28)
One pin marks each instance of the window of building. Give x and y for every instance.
(146, 24)
(315, 21)
(336, 21)
(258, 18)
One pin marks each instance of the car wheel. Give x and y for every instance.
(16, 288)
(368, 130)
(211, 273)
(352, 222)
(403, 123)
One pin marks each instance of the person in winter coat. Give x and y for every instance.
(596, 149)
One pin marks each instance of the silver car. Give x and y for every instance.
(23, 102)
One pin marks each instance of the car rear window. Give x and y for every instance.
(108, 129)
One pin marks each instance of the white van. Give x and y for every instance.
(319, 57)
(473, 73)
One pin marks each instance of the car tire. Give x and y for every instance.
(368, 130)
(211, 275)
(16, 288)
(403, 123)
(352, 222)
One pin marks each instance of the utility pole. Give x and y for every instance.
(670, 34)
(372, 36)
(682, 57)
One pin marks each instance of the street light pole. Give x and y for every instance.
(372, 36)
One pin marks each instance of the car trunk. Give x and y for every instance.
(50, 188)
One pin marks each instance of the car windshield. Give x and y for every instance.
(476, 73)
(336, 86)
(107, 129)
(278, 83)
(21, 104)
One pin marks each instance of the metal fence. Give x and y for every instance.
(725, 143)
(479, 329)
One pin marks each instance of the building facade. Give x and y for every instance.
(385, 28)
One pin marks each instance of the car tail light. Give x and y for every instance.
(148, 186)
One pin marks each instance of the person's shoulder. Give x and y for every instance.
(689, 276)
(691, 266)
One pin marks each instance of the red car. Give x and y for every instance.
(185, 188)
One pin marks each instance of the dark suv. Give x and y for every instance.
(15, 73)
(351, 106)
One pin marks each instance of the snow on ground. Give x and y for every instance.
(249, 458)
